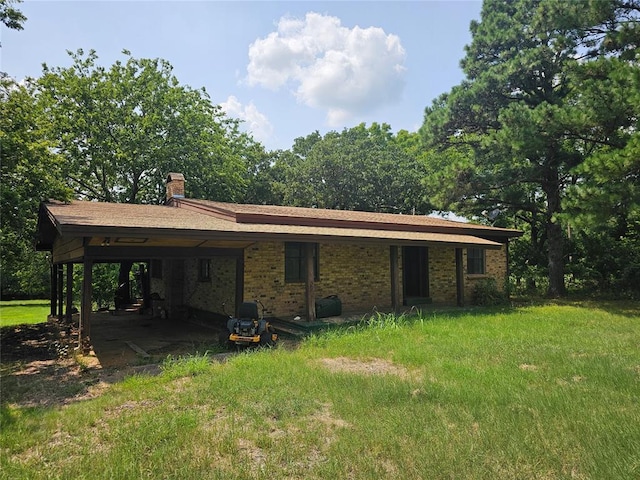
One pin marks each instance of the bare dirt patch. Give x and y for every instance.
(36, 367)
(528, 367)
(40, 367)
(374, 366)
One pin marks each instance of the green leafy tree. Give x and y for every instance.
(30, 173)
(10, 16)
(519, 126)
(122, 129)
(109, 134)
(357, 169)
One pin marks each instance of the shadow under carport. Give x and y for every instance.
(128, 338)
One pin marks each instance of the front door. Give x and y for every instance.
(415, 267)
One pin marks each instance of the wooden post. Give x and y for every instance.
(459, 277)
(54, 290)
(84, 330)
(310, 282)
(60, 283)
(69, 291)
(395, 279)
(239, 282)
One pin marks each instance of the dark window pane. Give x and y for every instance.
(475, 261)
(295, 266)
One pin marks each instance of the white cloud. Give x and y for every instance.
(254, 121)
(346, 72)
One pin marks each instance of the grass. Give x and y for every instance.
(19, 312)
(545, 392)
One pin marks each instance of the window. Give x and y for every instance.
(204, 270)
(156, 269)
(475, 261)
(295, 266)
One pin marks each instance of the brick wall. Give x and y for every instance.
(211, 295)
(495, 266)
(442, 275)
(359, 275)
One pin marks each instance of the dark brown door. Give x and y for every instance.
(415, 267)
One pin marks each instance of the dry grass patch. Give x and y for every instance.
(374, 366)
(528, 367)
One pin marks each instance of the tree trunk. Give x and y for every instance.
(555, 239)
(123, 292)
(555, 243)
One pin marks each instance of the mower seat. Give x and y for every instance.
(248, 310)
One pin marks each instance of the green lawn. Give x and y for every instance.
(17, 312)
(548, 392)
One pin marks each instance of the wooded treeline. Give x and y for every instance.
(542, 135)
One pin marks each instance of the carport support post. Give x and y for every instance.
(60, 283)
(310, 282)
(395, 279)
(69, 291)
(84, 330)
(54, 289)
(459, 277)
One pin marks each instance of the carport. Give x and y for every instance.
(113, 233)
(127, 337)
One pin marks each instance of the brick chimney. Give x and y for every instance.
(175, 186)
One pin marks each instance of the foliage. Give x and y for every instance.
(30, 172)
(487, 294)
(10, 16)
(104, 284)
(544, 94)
(122, 129)
(605, 263)
(360, 168)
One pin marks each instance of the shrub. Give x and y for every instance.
(486, 293)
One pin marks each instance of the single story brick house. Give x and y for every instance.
(203, 254)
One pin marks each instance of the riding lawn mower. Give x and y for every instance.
(249, 328)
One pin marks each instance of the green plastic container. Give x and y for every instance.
(330, 306)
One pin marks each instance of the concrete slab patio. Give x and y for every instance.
(128, 338)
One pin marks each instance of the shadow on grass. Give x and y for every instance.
(42, 383)
(37, 368)
(622, 307)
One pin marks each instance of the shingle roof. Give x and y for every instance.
(267, 214)
(200, 218)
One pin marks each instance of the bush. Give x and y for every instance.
(486, 293)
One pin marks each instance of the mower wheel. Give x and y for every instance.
(224, 341)
(266, 340)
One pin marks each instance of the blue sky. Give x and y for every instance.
(286, 68)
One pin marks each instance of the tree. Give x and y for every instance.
(357, 169)
(519, 125)
(122, 129)
(109, 134)
(30, 173)
(11, 17)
